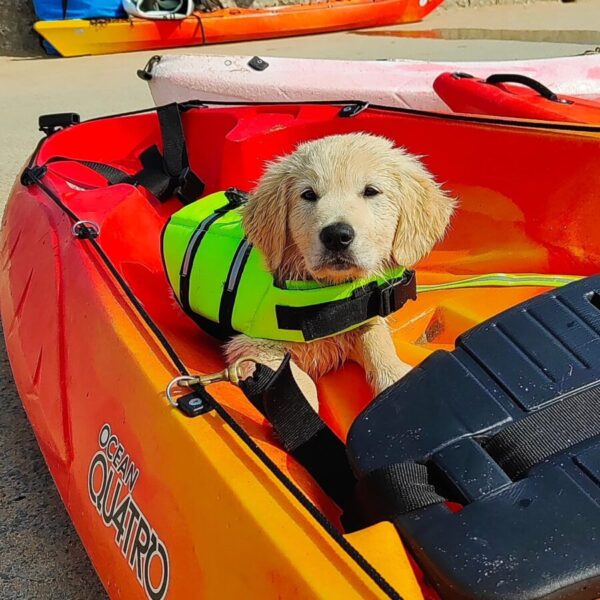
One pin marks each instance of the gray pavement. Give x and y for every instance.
(40, 554)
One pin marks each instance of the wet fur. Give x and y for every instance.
(397, 227)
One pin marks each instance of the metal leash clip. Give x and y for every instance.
(233, 374)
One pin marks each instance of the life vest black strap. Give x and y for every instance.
(329, 318)
(300, 429)
(164, 175)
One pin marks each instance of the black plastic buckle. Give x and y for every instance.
(395, 294)
(193, 405)
(236, 197)
(33, 174)
(190, 187)
(146, 72)
(461, 75)
(257, 63)
(351, 110)
(50, 124)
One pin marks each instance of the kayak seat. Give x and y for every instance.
(487, 458)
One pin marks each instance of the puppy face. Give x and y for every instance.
(344, 207)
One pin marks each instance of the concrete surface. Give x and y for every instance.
(40, 555)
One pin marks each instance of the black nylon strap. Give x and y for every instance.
(170, 173)
(300, 429)
(174, 150)
(164, 175)
(152, 175)
(327, 319)
(395, 490)
(112, 174)
(548, 431)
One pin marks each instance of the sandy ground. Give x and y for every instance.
(40, 555)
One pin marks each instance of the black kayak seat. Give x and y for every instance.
(507, 427)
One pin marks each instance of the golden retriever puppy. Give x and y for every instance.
(339, 208)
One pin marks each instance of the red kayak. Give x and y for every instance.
(512, 96)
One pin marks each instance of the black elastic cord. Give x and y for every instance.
(541, 434)
(411, 112)
(358, 558)
(122, 283)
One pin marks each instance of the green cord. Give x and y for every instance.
(502, 280)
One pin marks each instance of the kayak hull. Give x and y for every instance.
(210, 517)
(404, 84)
(89, 374)
(80, 37)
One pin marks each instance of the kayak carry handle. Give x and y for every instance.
(540, 88)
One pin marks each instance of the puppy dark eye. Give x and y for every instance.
(309, 194)
(370, 191)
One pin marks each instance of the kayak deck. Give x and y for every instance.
(80, 37)
(491, 233)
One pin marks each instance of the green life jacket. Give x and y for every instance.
(223, 282)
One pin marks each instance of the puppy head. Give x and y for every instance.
(344, 207)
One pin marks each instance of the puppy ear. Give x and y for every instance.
(424, 211)
(265, 215)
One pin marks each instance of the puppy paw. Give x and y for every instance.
(386, 377)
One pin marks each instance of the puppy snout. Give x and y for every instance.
(337, 237)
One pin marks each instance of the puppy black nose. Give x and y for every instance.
(337, 237)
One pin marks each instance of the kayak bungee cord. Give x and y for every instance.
(355, 106)
(502, 280)
(33, 175)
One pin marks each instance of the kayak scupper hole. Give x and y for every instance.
(594, 299)
(443, 326)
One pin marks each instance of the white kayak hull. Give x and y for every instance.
(402, 83)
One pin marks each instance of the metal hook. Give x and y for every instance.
(85, 230)
(232, 374)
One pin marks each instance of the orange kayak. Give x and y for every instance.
(515, 96)
(210, 505)
(79, 37)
